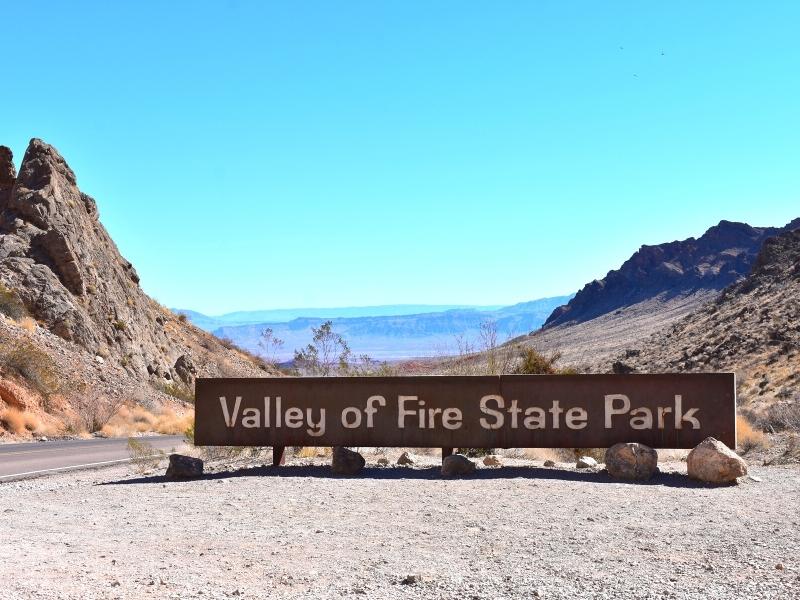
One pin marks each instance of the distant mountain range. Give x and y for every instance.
(388, 332)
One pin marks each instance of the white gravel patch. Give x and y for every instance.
(397, 532)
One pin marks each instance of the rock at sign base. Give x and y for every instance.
(457, 464)
(585, 462)
(405, 459)
(631, 461)
(184, 467)
(346, 461)
(712, 461)
(383, 461)
(549, 463)
(492, 461)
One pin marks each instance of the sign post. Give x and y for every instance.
(505, 411)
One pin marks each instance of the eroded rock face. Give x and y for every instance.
(346, 461)
(58, 258)
(712, 461)
(631, 461)
(457, 464)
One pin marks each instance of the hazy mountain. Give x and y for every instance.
(282, 315)
(388, 337)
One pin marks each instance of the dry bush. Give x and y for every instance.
(132, 420)
(535, 363)
(10, 304)
(94, 410)
(28, 324)
(20, 422)
(144, 457)
(177, 390)
(543, 454)
(33, 365)
(783, 416)
(748, 438)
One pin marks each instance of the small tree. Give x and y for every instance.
(328, 353)
(271, 345)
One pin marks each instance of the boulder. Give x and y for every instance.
(712, 461)
(457, 464)
(383, 461)
(549, 463)
(631, 461)
(405, 459)
(185, 369)
(184, 467)
(346, 461)
(585, 462)
(492, 461)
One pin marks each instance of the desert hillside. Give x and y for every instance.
(752, 328)
(656, 287)
(76, 324)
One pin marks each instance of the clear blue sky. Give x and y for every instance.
(280, 154)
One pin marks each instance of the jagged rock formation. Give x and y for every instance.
(752, 327)
(61, 262)
(721, 256)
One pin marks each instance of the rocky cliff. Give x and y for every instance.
(721, 256)
(752, 328)
(59, 260)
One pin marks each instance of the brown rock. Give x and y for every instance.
(492, 461)
(405, 459)
(457, 464)
(184, 467)
(631, 461)
(346, 461)
(712, 461)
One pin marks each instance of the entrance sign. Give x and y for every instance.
(506, 411)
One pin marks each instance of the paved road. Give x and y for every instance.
(38, 458)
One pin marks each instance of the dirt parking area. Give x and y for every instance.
(520, 531)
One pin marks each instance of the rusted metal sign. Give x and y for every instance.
(508, 411)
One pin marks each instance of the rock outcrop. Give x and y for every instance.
(721, 256)
(60, 261)
(753, 328)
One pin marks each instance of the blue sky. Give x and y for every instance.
(279, 154)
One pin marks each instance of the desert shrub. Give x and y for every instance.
(33, 365)
(176, 390)
(18, 422)
(93, 410)
(130, 420)
(182, 318)
(747, 437)
(27, 323)
(535, 363)
(783, 416)
(476, 452)
(144, 457)
(10, 304)
(120, 325)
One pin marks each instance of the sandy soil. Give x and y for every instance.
(521, 531)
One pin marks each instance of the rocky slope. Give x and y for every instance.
(752, 327)
(721, 256)
(59, 264)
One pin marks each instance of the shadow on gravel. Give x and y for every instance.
(433, 473)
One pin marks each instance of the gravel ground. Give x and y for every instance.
(520, 531)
